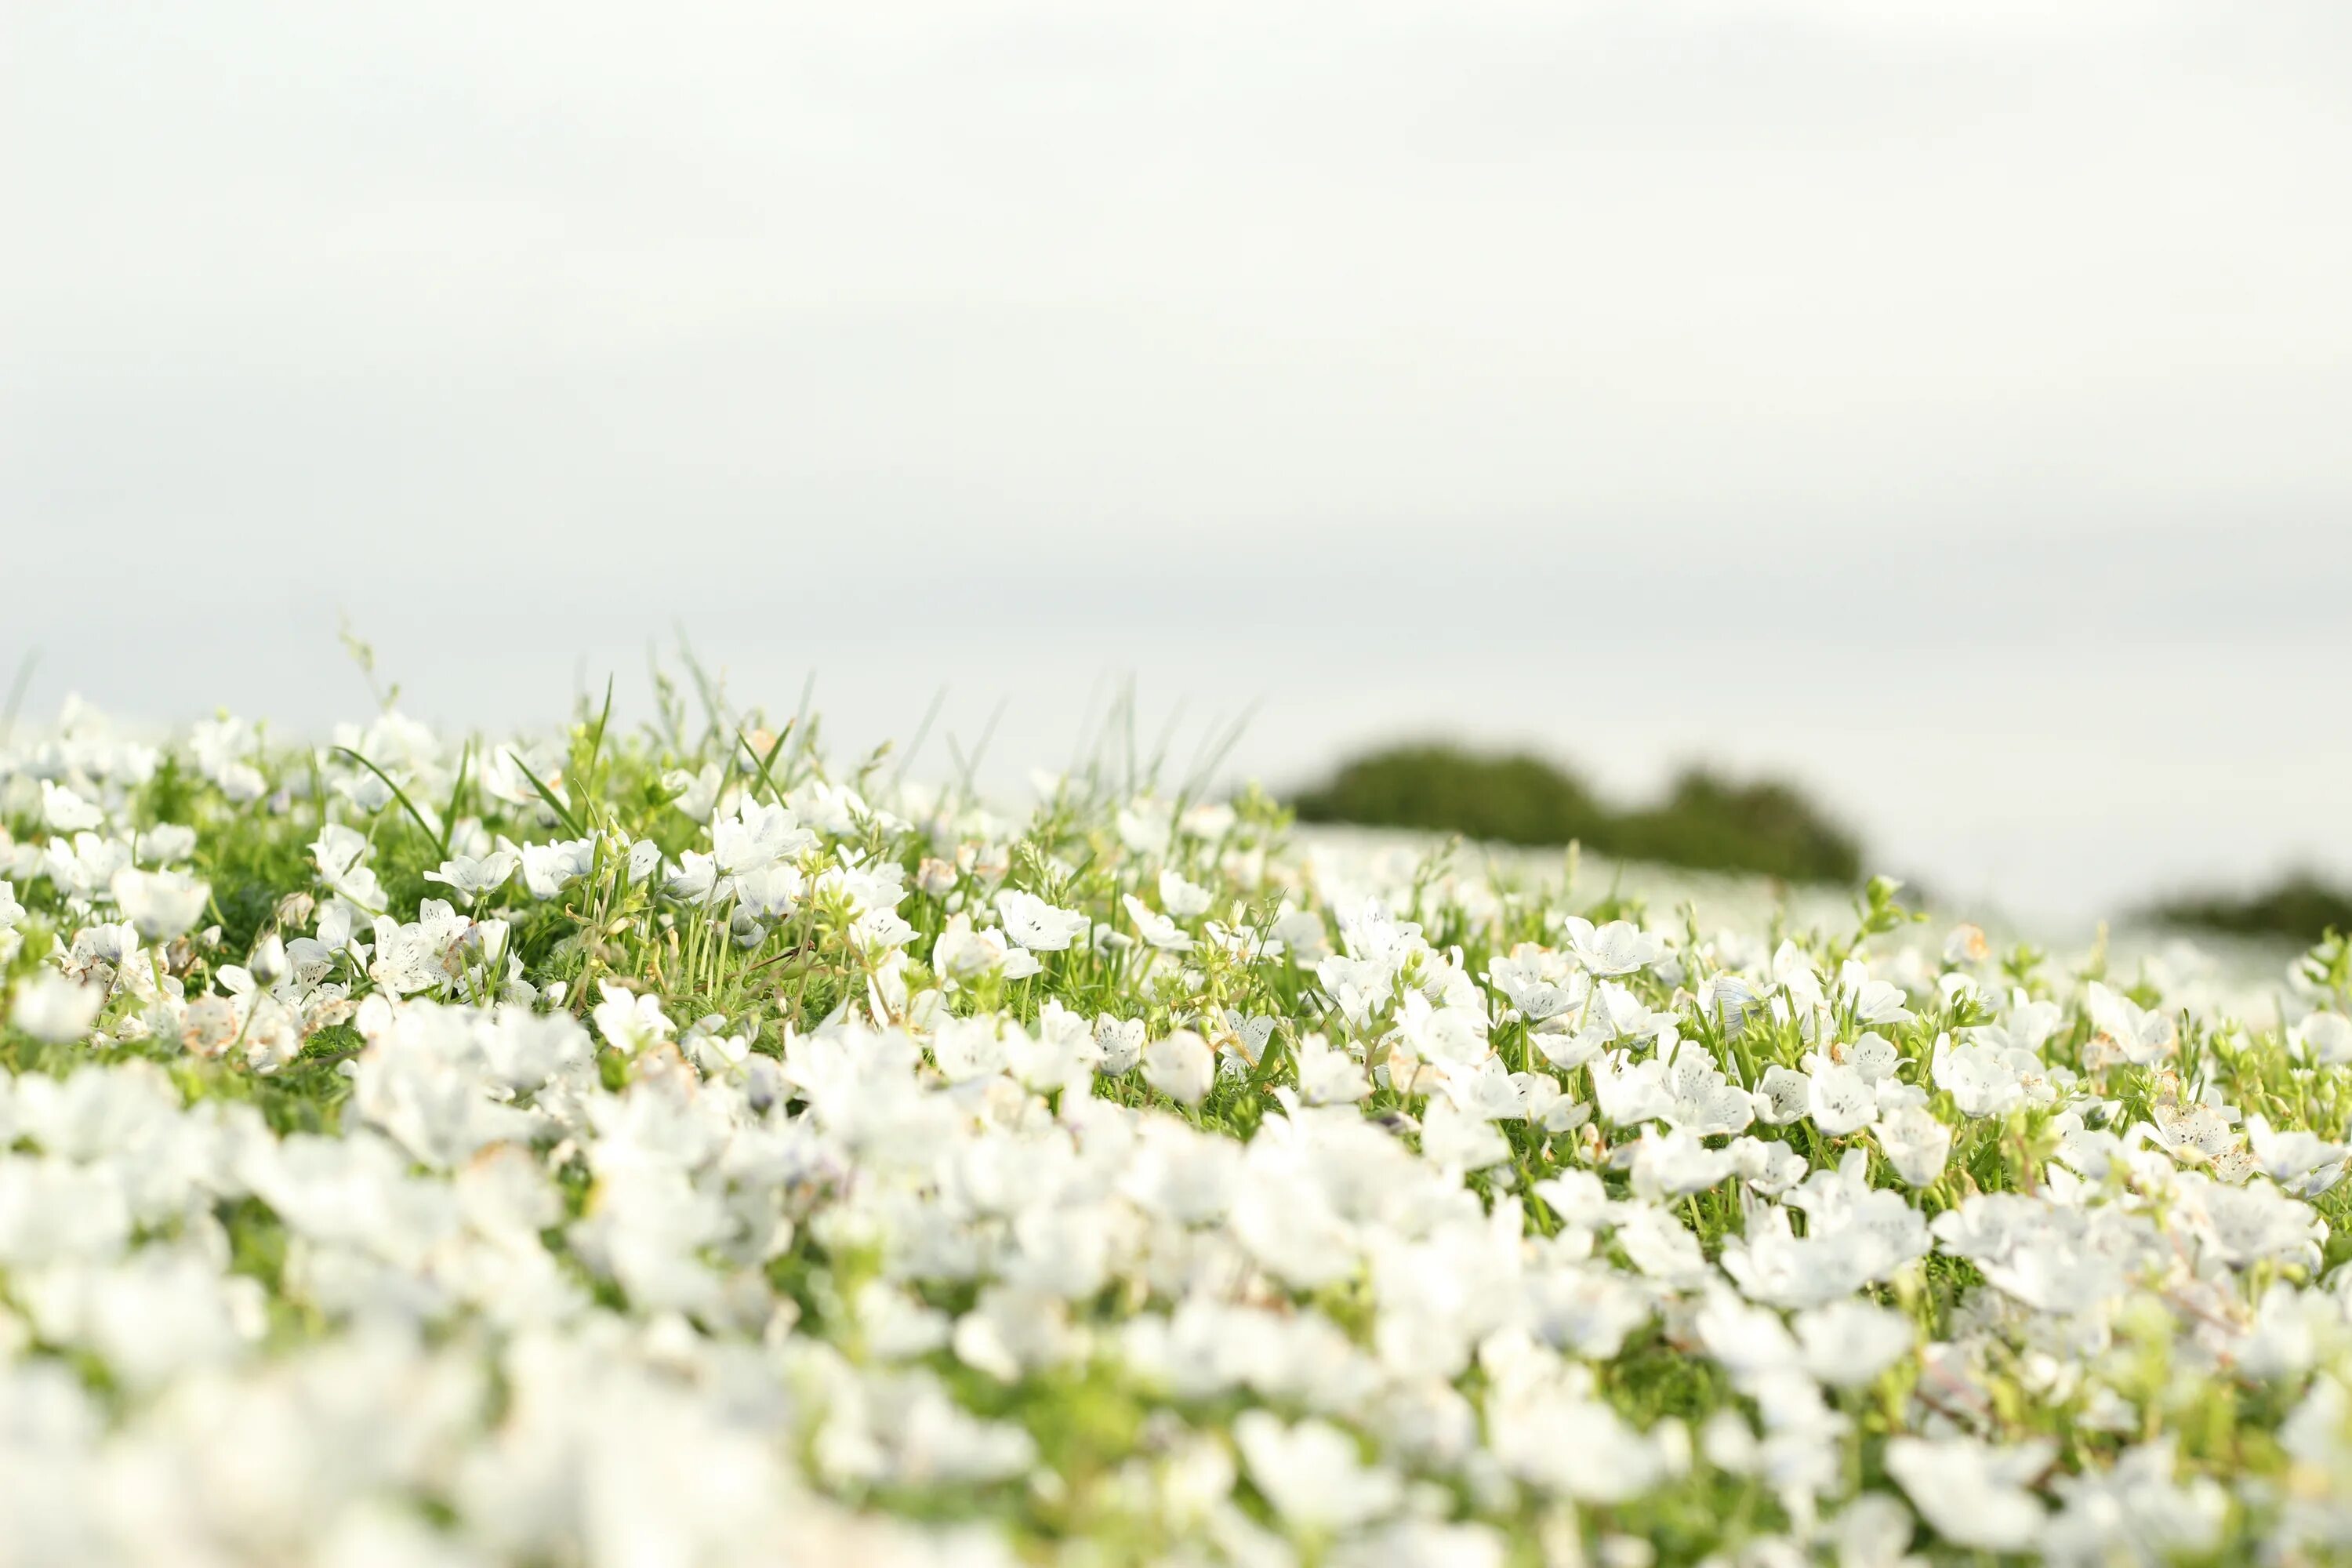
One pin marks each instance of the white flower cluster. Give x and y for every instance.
(668, 1152)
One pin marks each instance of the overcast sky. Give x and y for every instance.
(1946, 405)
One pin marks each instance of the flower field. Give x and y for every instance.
(679, 1147)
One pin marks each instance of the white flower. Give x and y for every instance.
(1618, 948)
(962, 953)
(1328, 1075)
(967, 1048)
(1767, 1167)
(1873, 1056)
(2246, 1224)
(1973, 1493)
(1874, 1531)
(548, 868)
(1576, 1446)
(1313, 1474)
(695, 794)
(1630, 1093)
(1750, 1343)
(1839, 1101)
(1569, 1049)
(1782, 1095)
(1981, 1079)
(758, 835)
(878, 930)
(2126, 1032)
(2133, 1512)
(772, 894)
(423, 956)
(341, 854)
(1179, 1066)
(1486, 1091)
(162, 904)
(469, 876)
(268, 963)
(1120, 1041)
(67, 812)
(1914, 1143)
(630, 1023)
(100, 952)
(1302, 933)
(1549, 1106)
(1038, 925)
(54, 1009)
(1460, 1140)
(1848, 1344)
(2324, 1040)
(1705, 1102)
(1443, 1034)
(1539, 981)
(1181, 898)
(2301, 1162)
(164, 843)
(1678, 1164)
(1873, 1001)
(1158, 930)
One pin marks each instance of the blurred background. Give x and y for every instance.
(1938, 407)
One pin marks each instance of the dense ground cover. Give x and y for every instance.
(669, 1148)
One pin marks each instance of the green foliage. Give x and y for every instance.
(1517, 799)
(1718, 824)
(2300, 906)
(1706, 821)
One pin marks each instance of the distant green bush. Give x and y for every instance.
(2301, 906)
(1516, 799)
(1706, 821)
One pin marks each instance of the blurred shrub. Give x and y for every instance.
(2301, 906)
(1720, 825)
(1516, 799)
(1705, 822)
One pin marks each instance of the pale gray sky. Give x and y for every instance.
(1944, 403)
